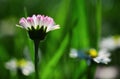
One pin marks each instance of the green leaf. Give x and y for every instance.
(55, 59)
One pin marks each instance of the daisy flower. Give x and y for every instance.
(25, 66)
(38, 25)
(110, 43)
(102, 56)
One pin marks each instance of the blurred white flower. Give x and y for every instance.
(99, 57)
(73, 53)
(110, 43)
(11, 65)
(28, 69)
(103, 72)
(25, 66)
(103, 57)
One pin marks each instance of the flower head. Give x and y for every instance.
(37, 22)
(38, 25)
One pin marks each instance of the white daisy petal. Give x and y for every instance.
(103, 57)
(50, 28)
(23, 22)
(40, 19)
(35, 21)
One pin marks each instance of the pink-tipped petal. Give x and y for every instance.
(30, 21)
(40, 20)
(35, 21)
(52, 28)
(23, 23)
(44, 22)
(50, 22)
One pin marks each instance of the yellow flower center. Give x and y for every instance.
(21, 63)
(116, 39)
(93, 53)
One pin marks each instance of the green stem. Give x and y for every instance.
(98, 20)
(92, 67)
(36, 44)
(82, 27)
(91, 71)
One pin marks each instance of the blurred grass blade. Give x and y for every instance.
(25, 12)
(55, 59)
(62, 12)
(98, 34)
(75, 38)
(31, 49)
(60, 18)
(82, 24)
(98, 21)
(92, 68)
(80, 70)
(81, 33)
